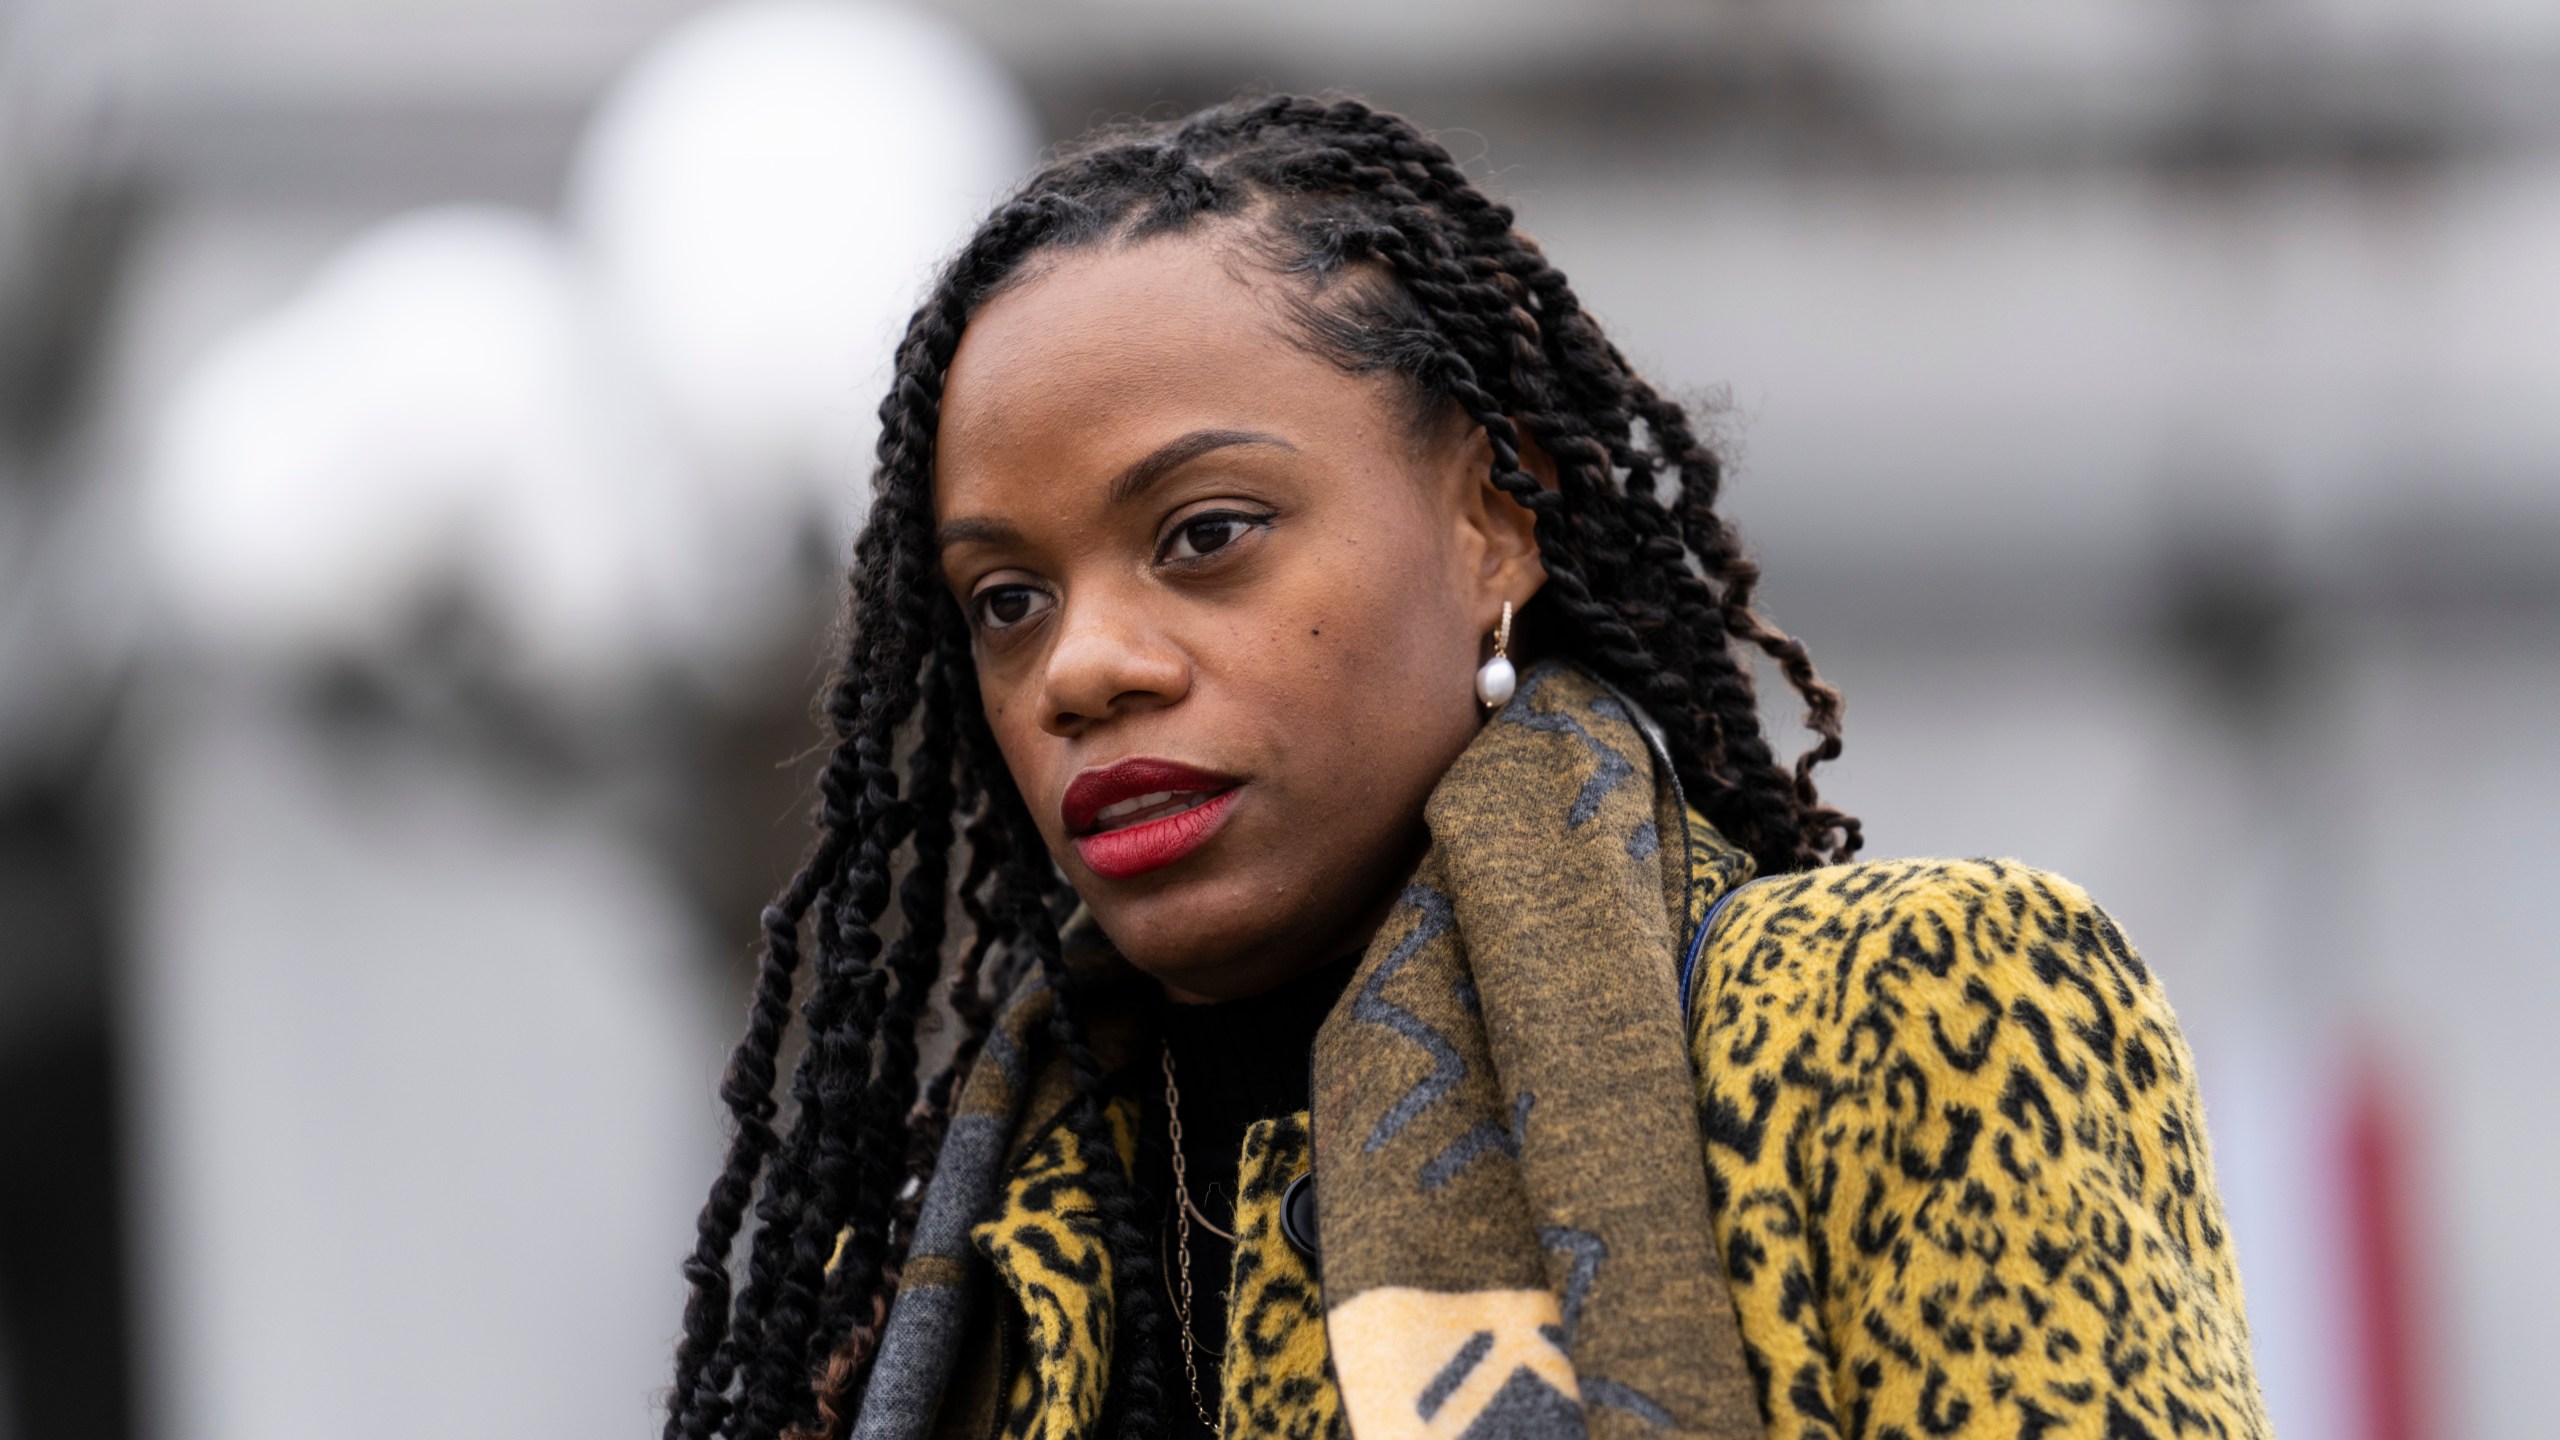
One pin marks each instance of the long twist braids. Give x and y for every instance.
(1395, 264)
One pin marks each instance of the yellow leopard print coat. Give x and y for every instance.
(1957, 1167)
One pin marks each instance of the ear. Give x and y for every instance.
(1502, 533)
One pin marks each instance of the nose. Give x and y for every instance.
(1106, 662)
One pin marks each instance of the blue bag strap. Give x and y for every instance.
(1698, 945)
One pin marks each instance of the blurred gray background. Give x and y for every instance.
(2147, 410)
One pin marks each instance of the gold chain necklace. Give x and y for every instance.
(1184, 1213)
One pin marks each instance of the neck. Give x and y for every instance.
(1248, 1057)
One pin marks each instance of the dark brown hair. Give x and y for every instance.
(1400, 266)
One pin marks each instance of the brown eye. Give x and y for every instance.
(1207, 534)
(1002, 607)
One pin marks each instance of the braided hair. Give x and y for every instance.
(1397, 266)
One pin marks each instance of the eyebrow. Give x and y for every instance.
(1180, 451)
(1127, 486)
(975, 529)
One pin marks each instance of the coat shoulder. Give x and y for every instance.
(1958, 1161)
(1890, 942)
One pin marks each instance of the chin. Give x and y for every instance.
(1220, 938)
(1180, 937)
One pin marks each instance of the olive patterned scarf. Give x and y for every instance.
(1509, 1179)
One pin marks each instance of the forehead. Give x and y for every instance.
(1098, 356)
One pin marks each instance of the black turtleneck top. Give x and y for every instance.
(1236, 1062)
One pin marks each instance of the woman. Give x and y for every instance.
(1397, 990)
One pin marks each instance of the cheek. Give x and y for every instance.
(1026, 749)
(1389, 645)
(1398, 603)
(1370, 664)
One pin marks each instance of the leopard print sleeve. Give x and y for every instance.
(1958, 1165)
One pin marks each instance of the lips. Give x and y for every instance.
(1144, 814)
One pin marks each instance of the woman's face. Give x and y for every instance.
(1227, 604)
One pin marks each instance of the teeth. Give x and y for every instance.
(1133, 805)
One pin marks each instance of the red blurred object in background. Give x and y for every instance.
(2382, 1238)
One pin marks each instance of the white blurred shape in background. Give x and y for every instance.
(613, 443)
(425, 1066)
(764, 195)
(431, 418)
(423, 1090)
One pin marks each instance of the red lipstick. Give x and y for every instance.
(1143, 814)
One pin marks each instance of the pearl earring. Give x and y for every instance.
(1496, 681)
